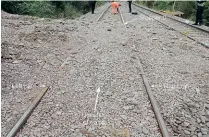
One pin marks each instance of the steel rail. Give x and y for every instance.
(122, 19)
(160, 120)
(155, 19)
(100, 17)
(27, 113)
(207, 46)
(207, 31)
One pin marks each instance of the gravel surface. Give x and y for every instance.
(76, 57)
(185, 29)
(177, 69)
(30, 54)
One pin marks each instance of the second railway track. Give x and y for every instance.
(195, 33)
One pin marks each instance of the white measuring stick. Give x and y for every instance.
(96, 101)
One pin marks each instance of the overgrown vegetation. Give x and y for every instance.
(48, 9)
(187, 7)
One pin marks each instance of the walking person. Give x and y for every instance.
(199, 12)
(129, 5)
(92, 5)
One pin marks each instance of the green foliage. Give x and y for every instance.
(206, 13)
(38, 8)
(11, 6)
(163, 5)
(70, 11)
(82, 6)
(187, 7)
(49, 9)
(35, 8)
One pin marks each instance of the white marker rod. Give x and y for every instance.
(96, 101)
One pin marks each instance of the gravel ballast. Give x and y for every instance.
(76, 57)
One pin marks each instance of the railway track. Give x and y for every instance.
(119, 12)
(137, 62)
(195, 33)
(161, 122)
(138, 65)
(27, 113)
(103, 13)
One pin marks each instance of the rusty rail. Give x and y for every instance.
(27, 113)
(153, 101)
(100, 17)
(199, 42)
(170, 17)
